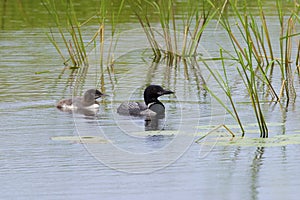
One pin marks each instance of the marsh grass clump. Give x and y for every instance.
(191, 26)
(255, 58)
(69, 39)
(69, 29)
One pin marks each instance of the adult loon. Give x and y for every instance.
(151, 107)
(88, 101)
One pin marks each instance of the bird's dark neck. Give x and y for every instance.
(151, 101)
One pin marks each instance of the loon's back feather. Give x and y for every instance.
(131, 108)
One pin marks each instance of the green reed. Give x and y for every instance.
(255, 57)
(224, 84)
(104, 14)
(284, 61)
(69, 29)
(71, 32)
(138, 8)
(180, 39)
(245, 58)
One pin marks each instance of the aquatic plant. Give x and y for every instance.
(254, 54)
(194, 23)
(214, 130)
(76, 49)
(70, 33)
(104, 11)
(286, 49)
(223, 83)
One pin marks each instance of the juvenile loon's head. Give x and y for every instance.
(91, 95)
(152, 92)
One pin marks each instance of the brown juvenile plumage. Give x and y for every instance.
(88, 100)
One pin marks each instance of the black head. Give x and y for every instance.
(152, 92)
(92, 95)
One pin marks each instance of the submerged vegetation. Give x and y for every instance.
(176, 40)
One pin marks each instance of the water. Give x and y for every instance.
(166, 166)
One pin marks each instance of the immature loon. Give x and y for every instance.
(151, 107)
(88, 101)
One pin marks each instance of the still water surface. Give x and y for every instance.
(33, 166)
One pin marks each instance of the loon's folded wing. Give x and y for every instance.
(131, 108)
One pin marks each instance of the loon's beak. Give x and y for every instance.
(104, 95)
(101, 95)
(165, 92)
(168, 92)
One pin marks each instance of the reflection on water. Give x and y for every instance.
(32, 166)
(154, 124)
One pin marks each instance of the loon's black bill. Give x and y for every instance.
(101, 95)
(167, 92)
